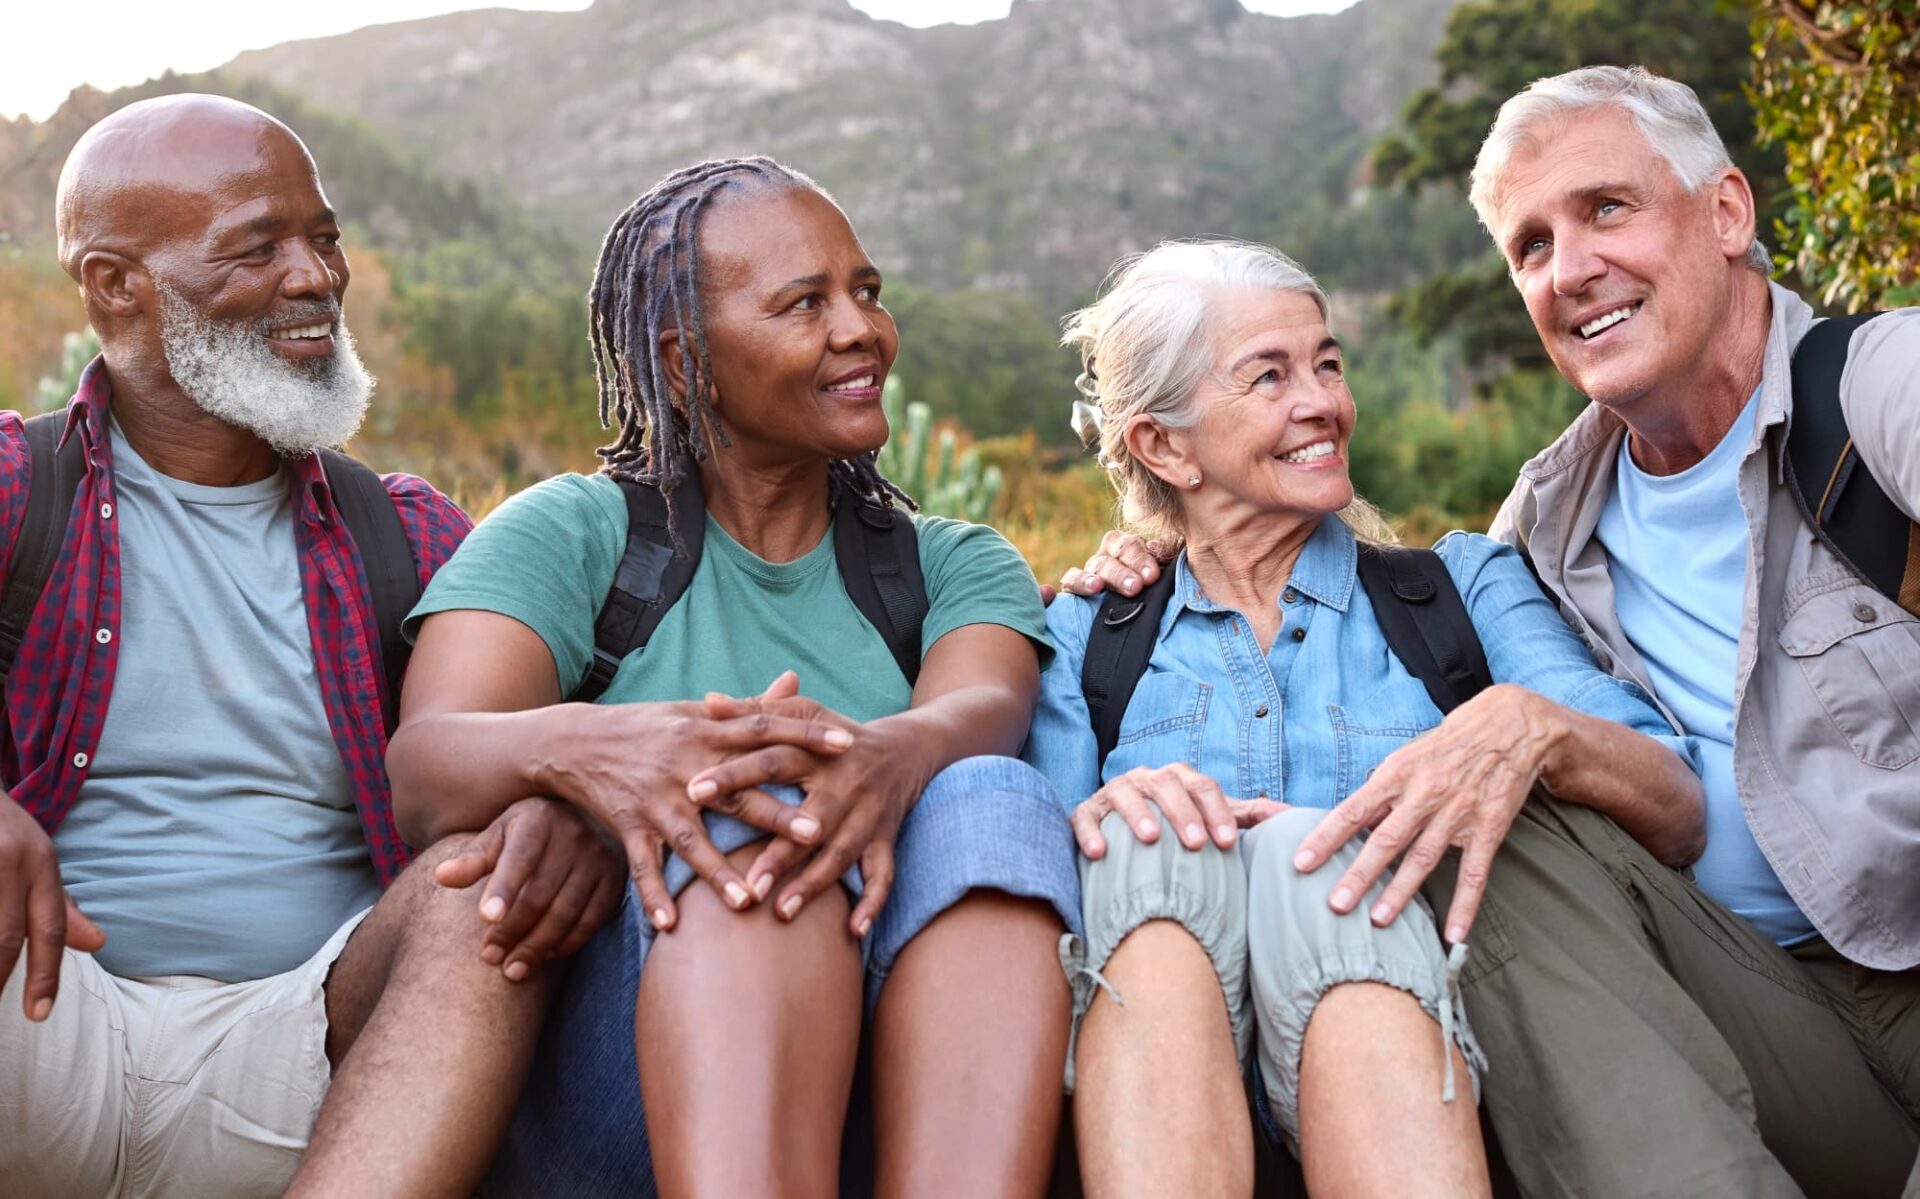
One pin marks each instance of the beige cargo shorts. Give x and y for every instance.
(167, 1088)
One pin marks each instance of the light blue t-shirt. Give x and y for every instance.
(1678, 550)
(216, 833)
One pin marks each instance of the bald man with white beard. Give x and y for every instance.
(237, 980)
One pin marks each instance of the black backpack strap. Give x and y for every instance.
(393, 578)
(1119, 645)
(879, 556)
(53, 479)
(1839, 498)
(651, 577)
(1425, 622)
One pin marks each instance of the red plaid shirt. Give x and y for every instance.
(57, 693)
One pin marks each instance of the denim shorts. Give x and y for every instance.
(987, 823)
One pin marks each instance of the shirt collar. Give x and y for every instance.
(87, 412)
(1324, 572)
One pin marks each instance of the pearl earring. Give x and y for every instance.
(1193, 480)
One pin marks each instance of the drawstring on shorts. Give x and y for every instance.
(1456, 959)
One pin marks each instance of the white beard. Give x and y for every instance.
(230, 371)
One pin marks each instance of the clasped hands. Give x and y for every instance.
(644, 773)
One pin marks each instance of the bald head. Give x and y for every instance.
(158, 169)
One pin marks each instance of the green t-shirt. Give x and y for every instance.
(547, 557)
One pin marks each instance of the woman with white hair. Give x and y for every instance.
(1269, 693)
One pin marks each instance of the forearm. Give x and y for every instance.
(982, 718)
(456, 771)
(1642, 785)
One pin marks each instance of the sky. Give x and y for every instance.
(53, 48)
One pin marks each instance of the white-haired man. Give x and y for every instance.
(226, 949)
(1751, 1027)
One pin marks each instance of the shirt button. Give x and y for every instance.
(1299, 634)
(103, 635)
(1289, 596)
(106, 512)
(1260, 712)
(80, 761)
(1864, 613)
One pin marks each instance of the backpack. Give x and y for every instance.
(1841, 501)
(876, 547)
(1420, 612)
(362, 498)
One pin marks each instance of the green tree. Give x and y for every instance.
(1837, 87)
(76, 351)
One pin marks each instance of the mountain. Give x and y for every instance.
(1019, 154)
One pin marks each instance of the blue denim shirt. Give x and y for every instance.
(1307, 721)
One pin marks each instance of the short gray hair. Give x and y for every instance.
(1146, 345)
(1664, 111)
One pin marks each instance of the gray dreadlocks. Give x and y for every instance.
(648, 282)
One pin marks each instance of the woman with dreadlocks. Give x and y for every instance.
(874, 874)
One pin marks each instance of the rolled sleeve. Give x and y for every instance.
(1061, 744)
(1527, 643)
(1880, 397)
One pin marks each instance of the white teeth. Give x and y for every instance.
(860, 384)
(304, 332)
(1606, 321)
(1308, 453)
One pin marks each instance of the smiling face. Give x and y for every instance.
(1275, 414)
(1627, 276)
(799, 341)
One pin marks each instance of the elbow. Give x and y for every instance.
(1685, 838)
(412, 815)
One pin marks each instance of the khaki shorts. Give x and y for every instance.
(1276, 945)
(162, 1087)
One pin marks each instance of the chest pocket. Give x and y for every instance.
(1163, 724)
(1365, 733)
(1860, 653)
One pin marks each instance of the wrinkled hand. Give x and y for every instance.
(1123, 562)
(554, 883)
(857, 798)
(36, 911)
(1462, 784)
(1193, 804)
(632, 773)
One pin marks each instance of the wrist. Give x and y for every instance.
(1544, 728)
(555, 740)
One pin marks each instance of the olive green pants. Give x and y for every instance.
(1643, 1041)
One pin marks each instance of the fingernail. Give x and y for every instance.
(516, 970)
(1132, 582)
(493, 908)
(1226, 832)
(1342, 899)
(805, 826)
(1304, 861)
(866, 922)
(1146, 827)
(1456, 933)
(1150, 571)
(790, 906)
(737, 895)
(41, 1010)
(703, 789)
(492, 954)
(761, 885)
(839, 737)
(661, 919)
(1381, 912)
(1196, 833)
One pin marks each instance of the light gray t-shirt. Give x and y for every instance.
(216, 833)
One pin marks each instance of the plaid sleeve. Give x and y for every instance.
(16, 474)
(435, 525)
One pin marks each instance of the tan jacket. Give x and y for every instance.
(1826, 742)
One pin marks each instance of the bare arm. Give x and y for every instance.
(481, 731)
(1464, 783)
(975, 695)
